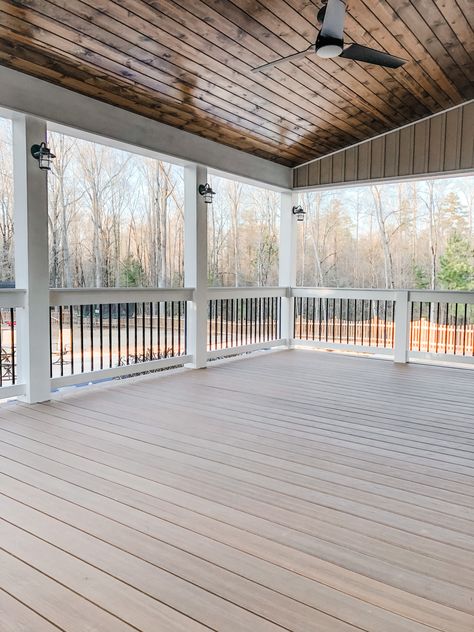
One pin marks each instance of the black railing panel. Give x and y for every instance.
(237, 322)
(345, 321)
(86, 338)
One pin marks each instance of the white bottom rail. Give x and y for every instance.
(128, 369)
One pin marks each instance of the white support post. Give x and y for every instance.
(287, 270)
(402, 327)
(195, 263)
(31, 259)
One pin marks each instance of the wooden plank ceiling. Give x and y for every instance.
(188, 64)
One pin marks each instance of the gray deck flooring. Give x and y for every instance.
(294, 490)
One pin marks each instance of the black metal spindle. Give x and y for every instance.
(246, 320)
(144, 334)
(172, 330)
(158, 316)
(241, 321)
(12, 345)
(71, 337)
(81, 328)
(135, 333)
(127, 332)
(455, 341)
(464, 330)
(300, 313)
(110, 335)
(370, 322)
(119, 332)
(61, 345)
(91, 320)
(185, 327)
(216, 346)
(446, 329)
(340, 320)
(428, 341)
(150, 307)
(227, 323)
(437, 327)
(101, 335)
(279, 317)
(420, 329)
(306, 318)
(180, 305)
(166, 327)
(209, 322)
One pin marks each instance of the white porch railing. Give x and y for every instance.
(241, 320)
(404, 324)
(107, 333)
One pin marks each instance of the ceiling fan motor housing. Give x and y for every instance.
(328, 47)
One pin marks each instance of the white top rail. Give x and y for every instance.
(427, 296)
(441, 296)
(330, 292)
(12, 298)
(246, 292)
(103, 296)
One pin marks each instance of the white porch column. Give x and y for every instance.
(31, 258)
(402, 327)
(195, 262)
(287, 269)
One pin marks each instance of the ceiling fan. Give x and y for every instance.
(330, 42)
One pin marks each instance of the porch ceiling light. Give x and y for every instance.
(299, 212)
(207, 193)
(43, 155)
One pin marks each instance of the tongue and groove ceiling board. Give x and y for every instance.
(188, 64)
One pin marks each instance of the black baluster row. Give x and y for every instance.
(115, 334)
(446, 328)
(236, 322)
(363, 322)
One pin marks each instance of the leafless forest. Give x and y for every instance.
(116, 219)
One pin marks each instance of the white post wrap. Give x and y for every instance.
(402, 327)
(287, 270)
(195, 262)
(31, 258)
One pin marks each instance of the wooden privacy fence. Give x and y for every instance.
(432, 337)
(370, 333)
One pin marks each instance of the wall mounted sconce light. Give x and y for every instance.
(207, 193)
(299, 212)
(43, 155)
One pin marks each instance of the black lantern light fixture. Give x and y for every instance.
(207, 193)
(299, 212)
(43, 155)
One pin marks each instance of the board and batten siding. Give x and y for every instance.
(442, 144)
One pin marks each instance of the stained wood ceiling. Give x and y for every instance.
(188, 64)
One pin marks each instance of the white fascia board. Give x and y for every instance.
(61, 107)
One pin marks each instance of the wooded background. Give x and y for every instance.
(116, 219)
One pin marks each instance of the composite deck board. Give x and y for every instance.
(293, 490)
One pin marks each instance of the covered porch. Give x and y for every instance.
(195, 448)
(293, 490)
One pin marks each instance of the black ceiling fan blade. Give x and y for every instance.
(277, 62)
(371, 56)
(333, 22)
